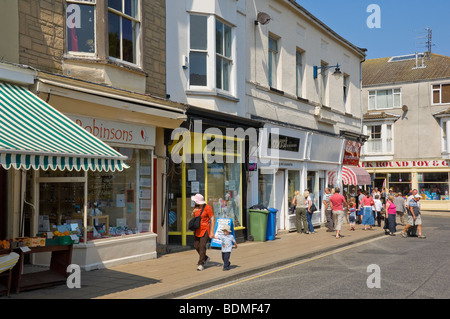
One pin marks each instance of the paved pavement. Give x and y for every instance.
(173, 275)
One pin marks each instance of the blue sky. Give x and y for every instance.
(403, 22)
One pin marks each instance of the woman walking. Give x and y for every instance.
(391, 210)
(367, 219)
(202, 234)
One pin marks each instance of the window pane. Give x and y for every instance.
(114, 35)
(299, 72)
(219, 37)
(372, 103)
(397, 100)
(219, 71)
(198, 32)
(445, 93)
(80, 28)
(131, 8)
(115, 4)
(227, 41)
(273, 44)
(129, 40)
(435, 177)
(436, 97)
(226, 75)
(197, 68)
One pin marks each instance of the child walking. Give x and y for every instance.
(227, 245)
(352, 213)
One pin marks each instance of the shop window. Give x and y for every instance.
(434, 185)
(119, 203)
(265, 188)
(124, 29)
(80, 26)
(224, 190)
(400, 182)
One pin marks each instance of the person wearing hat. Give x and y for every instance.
(203, 233)
(414, 217)
(227, 240)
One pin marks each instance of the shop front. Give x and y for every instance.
(207, 157)
(429, 177)
(290, 160)
(49, 161)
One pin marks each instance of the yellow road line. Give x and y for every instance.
(286, 267)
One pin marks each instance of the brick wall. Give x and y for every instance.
(154, 42)
(41, 34)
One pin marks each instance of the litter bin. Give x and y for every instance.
(258, 224)
(271, 224)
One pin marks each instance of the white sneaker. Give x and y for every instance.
(200, 268)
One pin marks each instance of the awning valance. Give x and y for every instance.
(35, 135)
(351, 175)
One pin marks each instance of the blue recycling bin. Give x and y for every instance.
(271, 224)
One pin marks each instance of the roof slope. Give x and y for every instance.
(380, 71)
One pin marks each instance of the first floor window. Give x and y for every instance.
(299, 72)
(374, 143)
(273, 61)
(124, 29)
(80, 26)
(223, 55)
(198, 56)
(380, 139)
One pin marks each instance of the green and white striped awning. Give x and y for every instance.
(35, 135)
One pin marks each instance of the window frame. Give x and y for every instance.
(92, 3)
(440, 93)
(137, 45)
(393, 93)
(299, 72)
(386, 137)
(273, 58)
(213, 57)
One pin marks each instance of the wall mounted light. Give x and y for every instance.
(337, 70)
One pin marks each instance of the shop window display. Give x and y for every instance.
(434, 186)
(400, 183)
(119, 203)
(224, 190)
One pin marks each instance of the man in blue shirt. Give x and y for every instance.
(414, 217)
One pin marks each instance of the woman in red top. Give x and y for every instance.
(202, 234)
(366, 204)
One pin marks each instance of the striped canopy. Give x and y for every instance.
(35, 135)
(351, 175)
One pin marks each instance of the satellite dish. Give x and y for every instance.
(404, 108)
(262, 18)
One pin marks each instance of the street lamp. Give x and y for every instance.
(337, 70)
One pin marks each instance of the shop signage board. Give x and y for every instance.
(117, 132)
(405, 164)
(220, 222)
(351, 153)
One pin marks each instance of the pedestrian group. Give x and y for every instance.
(368, 209)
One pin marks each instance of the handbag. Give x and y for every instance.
(194, 223)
